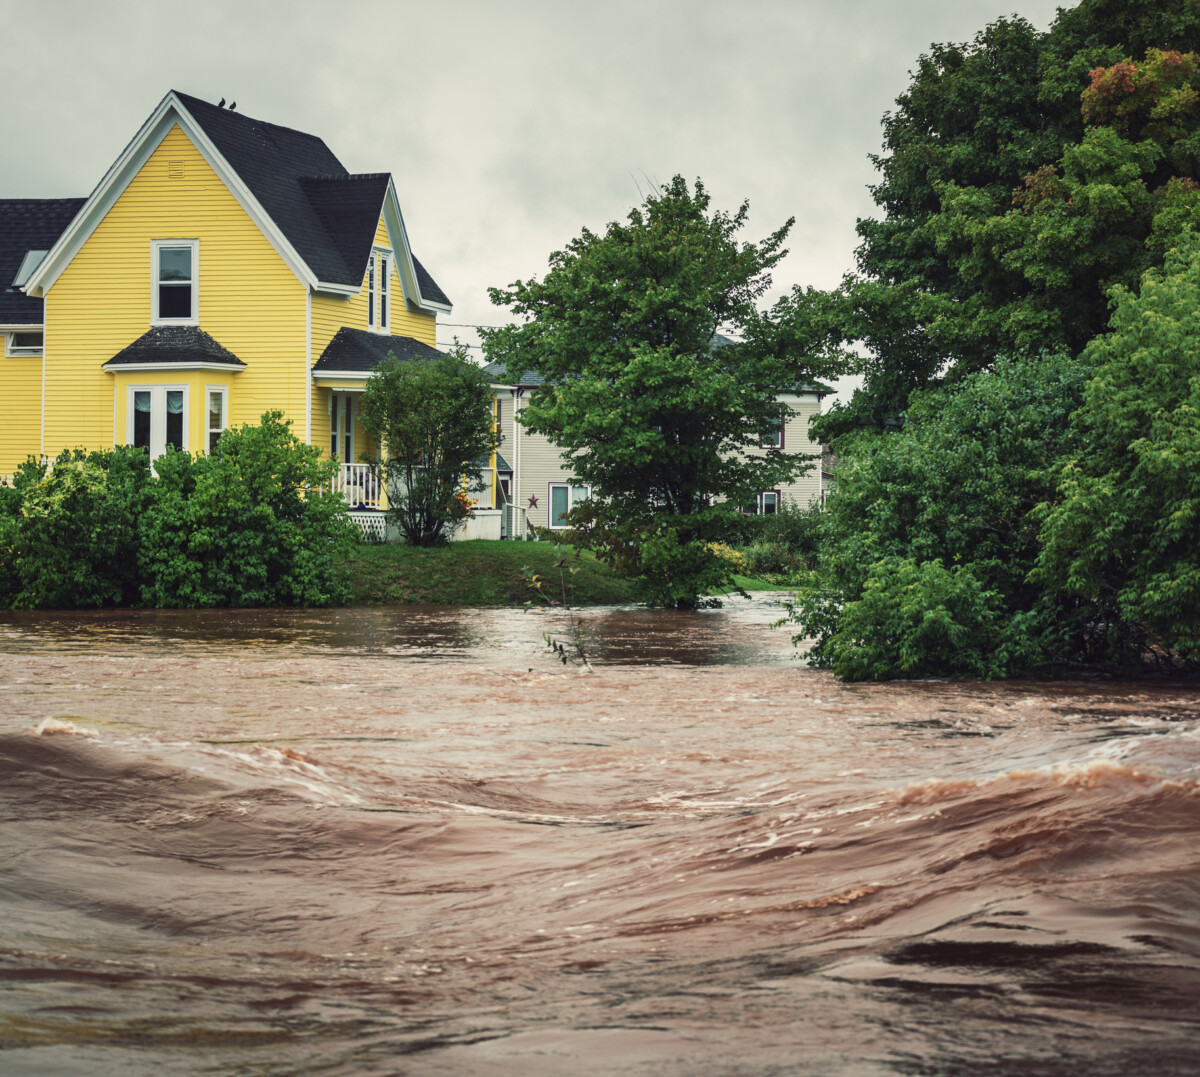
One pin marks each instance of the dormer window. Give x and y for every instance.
(379, 276)
(23, 342)
(174, 286)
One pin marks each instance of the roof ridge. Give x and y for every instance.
(187, 97)
(342, 178)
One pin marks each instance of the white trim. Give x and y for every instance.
(42, 449)
(156, 246)
(340, 375)
(169, 113)
(158, 368)
(342, 291)
(308, 382)
(22, 327)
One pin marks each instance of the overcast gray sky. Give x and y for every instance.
(507, 126)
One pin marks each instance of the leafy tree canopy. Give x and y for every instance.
(1123, 540)
(433, 423)
(654, 407)
(1025, 174)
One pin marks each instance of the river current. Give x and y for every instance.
(413, 841)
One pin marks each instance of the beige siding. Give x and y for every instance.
(540, 462)
(248, 300)
(800, 409)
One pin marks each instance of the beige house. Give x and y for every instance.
(532, 486)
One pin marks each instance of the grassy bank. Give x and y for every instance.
(478, 573)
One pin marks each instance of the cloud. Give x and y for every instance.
(508, 127)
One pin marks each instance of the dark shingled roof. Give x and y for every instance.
(27, 224)
(502, 464)
(328, 215)
(429, 287)
(499, 375)
(176, 344)
(358, 350)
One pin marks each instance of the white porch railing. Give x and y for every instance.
(358, 484)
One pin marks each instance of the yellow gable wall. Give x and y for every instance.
(248, 300)
(330, 313)
(20, 409)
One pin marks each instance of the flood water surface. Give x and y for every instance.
(415, 842)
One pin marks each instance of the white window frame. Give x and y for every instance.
(383, 293)
(158, 407)
(208, 430)
(760, 503)
(572, 500)
(11, 350)
(379, 290)
(155, 246)
(338, 421)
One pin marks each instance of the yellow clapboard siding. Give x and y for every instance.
(248, 300)
(330, 313)
(21, 425)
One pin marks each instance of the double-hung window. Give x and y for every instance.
(174, 295)
(379, 289)
(564, 497)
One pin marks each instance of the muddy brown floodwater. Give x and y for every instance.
(408, 841)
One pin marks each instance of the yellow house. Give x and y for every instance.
(224, 266)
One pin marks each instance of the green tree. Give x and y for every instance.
(1024, 175)
(1123, 541)
(654, 409)
(433, 423)
(931, 533)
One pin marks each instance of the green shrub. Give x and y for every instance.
(75, 541)
(922, 619)
(251, 524)
(959, 485)
(768, 559)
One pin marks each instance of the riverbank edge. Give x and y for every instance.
(485, 573)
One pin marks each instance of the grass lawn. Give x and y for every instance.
(476, 573)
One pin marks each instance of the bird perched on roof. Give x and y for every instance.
(221, 103)
(232, 105)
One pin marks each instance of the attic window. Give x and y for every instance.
(174, 287)
(379, 273)
(29, 263)
(24, 343)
